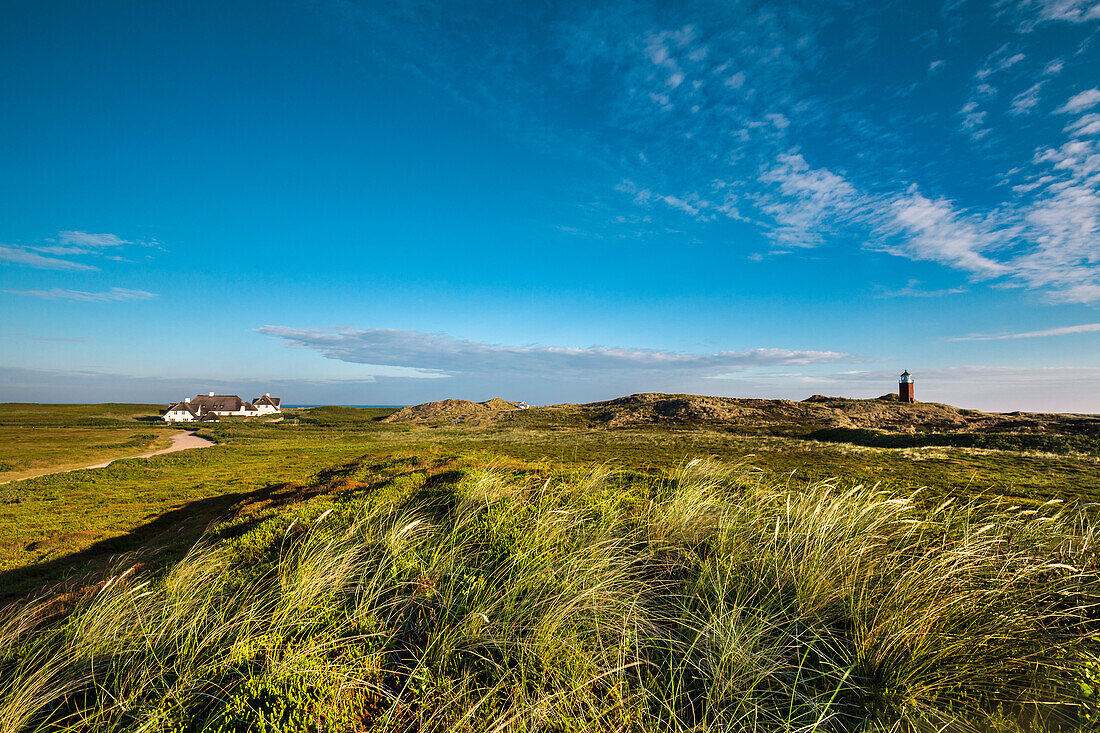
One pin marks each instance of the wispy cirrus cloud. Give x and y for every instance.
(703, 116)
(436, 354)
(114, 295)
(1046, 244)
(1062, 331)
(1080, 102)
(1085, 125)
(1026, 100)
(913, 289)
(56, 253)
(1072, 11)
(23, 256)
(92, 241)
(999, 61)
(932, 229)
(1040, 241)
(806, 200)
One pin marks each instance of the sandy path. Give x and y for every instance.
(180, 441)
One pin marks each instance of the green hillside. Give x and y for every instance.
(337, 572)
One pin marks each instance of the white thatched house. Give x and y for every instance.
(181, 412)
(267, 404)
(201, 406)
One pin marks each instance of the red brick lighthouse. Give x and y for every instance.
(905, 387)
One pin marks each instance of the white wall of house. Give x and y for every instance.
(178, 416)
(246, 410)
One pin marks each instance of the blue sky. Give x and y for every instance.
(383, 203)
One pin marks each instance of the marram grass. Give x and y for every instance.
(507, 600)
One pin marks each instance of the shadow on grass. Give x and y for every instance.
(154, 545)
(168, 536)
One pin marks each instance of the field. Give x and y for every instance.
(458, 512)
(41, 438)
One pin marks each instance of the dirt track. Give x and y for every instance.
(180, 441)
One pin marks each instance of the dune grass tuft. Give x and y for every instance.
(495, 599)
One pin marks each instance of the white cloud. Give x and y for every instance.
(973, 119)
(735, 81)
(435, 354)
(662, 49)
(1073, 11)
(999, 62)
(643, 69)
(22, 256)
(678, 203)
(808, 199)
(92, 241)
(112, 295)
(913, 290)
(1025, 101)
(1080, 102)
(1047, 243)
(1063, 331)
(691, 204)
(780, 122)
(934, 230)
(1065, 227)
(68, 244)
(1063, 223)
(1085, 124)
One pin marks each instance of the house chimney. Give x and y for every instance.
(187, 400)
(211, 394)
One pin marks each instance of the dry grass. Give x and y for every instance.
(715, 599)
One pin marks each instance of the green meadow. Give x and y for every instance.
(41, 438)
(331, 572)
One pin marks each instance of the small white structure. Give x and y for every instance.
(522, 406)
(201, 406)
(181, 412)
(267, 404)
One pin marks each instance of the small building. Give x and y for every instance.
(223, 404)
(905, 387)
(220, 405)
(181, 412)
(267, 404)
(209, 417)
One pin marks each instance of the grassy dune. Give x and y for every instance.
(65, 525)
(103, 415)
(432, 594)
(334, 572)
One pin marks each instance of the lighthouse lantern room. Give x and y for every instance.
(905, 387)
